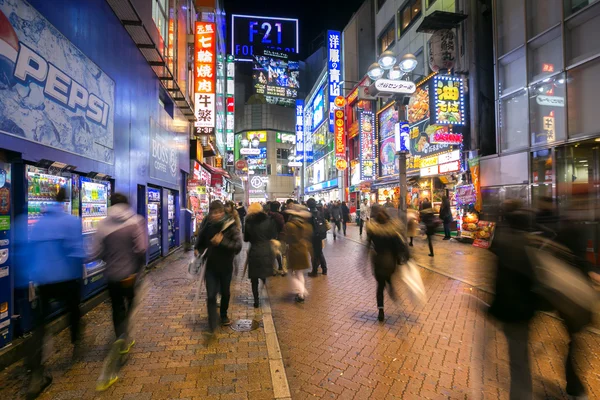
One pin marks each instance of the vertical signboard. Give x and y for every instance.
(448, 100)
(299, 130)
(339, 134)
(367, 145)
(334, 69)
(5, 255)
(204, 72)
(230, 111)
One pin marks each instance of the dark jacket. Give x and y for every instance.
(336, 213)
(388, 248)
(279, 221)
(345, 213)
(428, 219)
(220, 256)
(260, 230)
(121, 242)
(241, 212)
(514, 300)
(316, 215)
(446, 213)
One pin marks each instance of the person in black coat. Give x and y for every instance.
(319, 234)
(446, 216)
(241, 210)
(221, 239)
(260, 230)
(515, 303)
(279, 221)
(428, 219)
(345, 216)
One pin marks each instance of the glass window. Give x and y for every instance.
(380, 4)
(547, 110)
(283, 154)
(420, 71)
(510, 19)
(546, 55)
(430, 3)
(160, 10)
(408, 14)
(582, 31)
(512, 72)
(512, 121)
(491, 203)
(387, 39)
(542, 15)
(583, 87)
(541, 166)
(572, 6)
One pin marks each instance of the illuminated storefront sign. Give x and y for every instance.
(429, 171)
(387, 120)
(453, 166)
(250, 32)
(204, 72)
(322, 186)
(261, 136)
(230, 110)
(449, 157)
(367, 145)
(449, 100)
(340, 134)
(551, 101)
(334, 63)
(549, 127)
(171, 44)
(299, 129)
(443, 135)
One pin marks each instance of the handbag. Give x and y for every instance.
(412, 278)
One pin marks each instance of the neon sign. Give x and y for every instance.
(204, 72)
(334, 67)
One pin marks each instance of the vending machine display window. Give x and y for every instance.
(171, 219)
(93, 200)
(42, 188)
(154, 223)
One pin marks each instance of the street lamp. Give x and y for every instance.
(387, 60)
(375, 71)
(408, 63)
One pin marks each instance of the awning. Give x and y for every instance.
(216, 175)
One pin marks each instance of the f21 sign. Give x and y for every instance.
(251, 33)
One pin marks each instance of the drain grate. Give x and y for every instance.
(244, 325)
(174, 282)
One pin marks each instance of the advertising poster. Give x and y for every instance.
(484, 235)
(367, 145)
(276, 75)
(51, 93)
(418, 107)
(475, 175)
(421, 137)
(163, 154)
(448, 100)
(387, 120)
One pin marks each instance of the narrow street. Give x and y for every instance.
(332, 346)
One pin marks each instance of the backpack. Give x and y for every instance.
(320, 226)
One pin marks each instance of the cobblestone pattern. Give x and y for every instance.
(334, 347)
(171, 358)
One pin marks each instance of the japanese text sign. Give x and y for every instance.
(204, 73)
(299, 129)
(367, 144)
(448, 100)
(334, 69)
(340, 134)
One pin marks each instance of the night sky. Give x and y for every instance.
(314, 16)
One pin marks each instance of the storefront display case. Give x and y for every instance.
(154, 223)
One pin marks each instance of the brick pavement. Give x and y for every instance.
(334, 347)
(171, 358)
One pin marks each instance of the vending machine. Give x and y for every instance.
(42, 188)
(154, 224)
(92, 197)
(172, 226)
(6, 255)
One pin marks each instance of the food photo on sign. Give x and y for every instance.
(422, 140)
(386, 122)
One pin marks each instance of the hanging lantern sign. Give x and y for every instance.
(442, 50)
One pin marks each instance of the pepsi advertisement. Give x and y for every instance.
(50, 92)
(250, 34)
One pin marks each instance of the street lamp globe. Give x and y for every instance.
(375, 71)
(408, 63)
(387, 60)
(244, 142)
(395, 73)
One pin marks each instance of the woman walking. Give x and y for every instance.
(446, 217)
(298, 234)
(345, 216)
(260, 230)
(388, 251)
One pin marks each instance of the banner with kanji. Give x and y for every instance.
(204, 72)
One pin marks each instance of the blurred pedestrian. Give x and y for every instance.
(428, 219)
(515, 303)
(279, 221)
(412, 220)
(345, 216)
(54, 266)
(336, 218)
(319, 227)
(365, 214)
(241, 210)
(231, 210)
(222, 240)
(388, 251)
(446, 217)
(260, 231)
(121, 242)
(388, 203)
(298, 235)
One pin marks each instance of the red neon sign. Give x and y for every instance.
(340, 134)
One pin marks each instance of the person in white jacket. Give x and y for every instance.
(365, 214)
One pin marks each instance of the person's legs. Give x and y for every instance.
(446, 230)
(72, 296)
(429, 241)
(39, 381)
(380, 289)
(517, 336)
(254, 282)
(323, 262)
(360, 226)
(119, 310)
(225, 282)
(344, 223)
(301, 284)
(212, 288)
(574, 385)
(411, 241)
(316, 259)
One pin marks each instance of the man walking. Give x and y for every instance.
(365, 214)
(241, 210)
(54, 263)
(336, 218)
(121, 242)
(319, 234)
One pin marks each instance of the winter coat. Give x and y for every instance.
(220, 256)
(53, 252)
(317, 241)
(514, 300)
(388, 248)
(428, 218)
(279, 221)
(446, 213)
(121, 242)
(260, 230)
(241, 210)
(345, 213)
(336, 213)
(298, 235)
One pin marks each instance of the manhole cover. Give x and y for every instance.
(175, 282)
(244, 325)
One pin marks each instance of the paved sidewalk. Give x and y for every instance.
(334, 347)
(171, 359)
